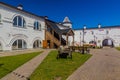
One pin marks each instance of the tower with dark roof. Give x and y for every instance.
(67, 22)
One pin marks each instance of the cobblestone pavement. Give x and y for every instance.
(24, 71)
(103, 65)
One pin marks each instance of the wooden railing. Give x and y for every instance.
(63, 41)
(80, 48)
(54, 39)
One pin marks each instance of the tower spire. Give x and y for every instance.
(66, 19)
(67, 22)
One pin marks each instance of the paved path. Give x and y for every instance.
(24, 71)
(103, 65)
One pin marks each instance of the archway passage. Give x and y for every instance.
(19, 44)
(37, 44)
(108, 42)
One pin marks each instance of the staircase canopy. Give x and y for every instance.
(54, 26)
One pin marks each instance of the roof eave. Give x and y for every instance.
(21, 10)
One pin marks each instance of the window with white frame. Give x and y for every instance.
(19, 21)
(19, 44)
(37, 44)
(37, 26)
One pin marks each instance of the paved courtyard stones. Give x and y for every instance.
(24, 71)
(103, 65)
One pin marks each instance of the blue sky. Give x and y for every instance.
(80, 12)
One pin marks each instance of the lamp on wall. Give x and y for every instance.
(99, 25)
(80, 38)
(83, 38)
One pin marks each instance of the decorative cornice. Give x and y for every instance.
(22, 35)
(7, 18)
(10, 6)
(7, 21)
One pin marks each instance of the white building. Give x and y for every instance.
(102, 36)
(20, 29)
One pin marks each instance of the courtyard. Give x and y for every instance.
(102, 65)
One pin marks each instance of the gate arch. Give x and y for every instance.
(108, 42)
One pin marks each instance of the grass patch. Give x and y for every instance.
(53, 69)
(118, 48)
(10, 63)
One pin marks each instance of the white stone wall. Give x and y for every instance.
(9, 33)
(68, 25)
(98, 35)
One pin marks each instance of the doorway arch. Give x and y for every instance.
(108, 42)
(37, 44)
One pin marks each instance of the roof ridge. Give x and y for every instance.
(21, 10)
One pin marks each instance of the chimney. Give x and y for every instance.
(99, 25)
(20, 7)
(46, 17)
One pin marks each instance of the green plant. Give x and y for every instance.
(10, 63)
(118, 48)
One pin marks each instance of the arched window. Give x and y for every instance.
(108, 42)
(37, 26)
(19, 44)
(19, 21)
(37, 44)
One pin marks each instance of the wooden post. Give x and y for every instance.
(45, 41)
(60, 36)
(73, 41)
(45, 30)
(51, 41)
(67, 39)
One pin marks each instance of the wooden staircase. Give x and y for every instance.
(63, 41)
(53, 39)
